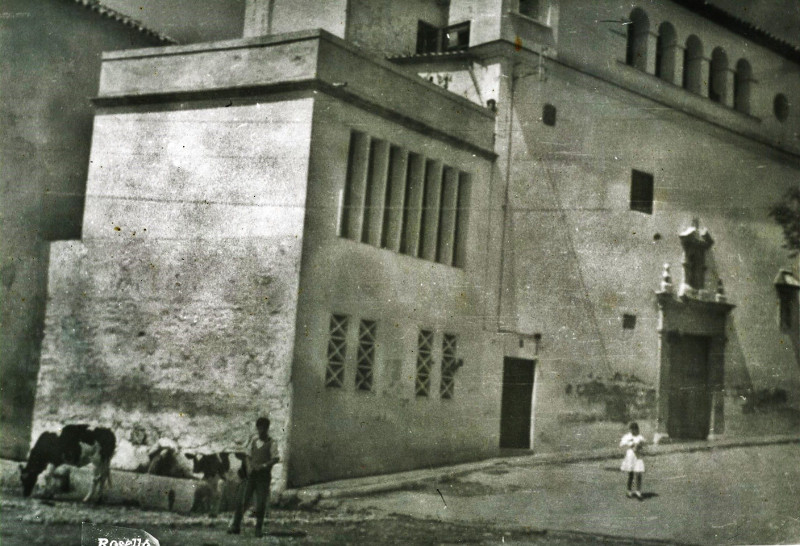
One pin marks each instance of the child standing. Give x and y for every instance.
(261, 457)
(633, 463)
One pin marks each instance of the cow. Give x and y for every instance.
(165, 460)
(76, 445)
(218, 472)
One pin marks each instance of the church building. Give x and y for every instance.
(425, 232)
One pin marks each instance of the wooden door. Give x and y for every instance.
(515, 408)
(690, 397)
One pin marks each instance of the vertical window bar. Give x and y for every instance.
(365, 357)
(412, 210)
(462, 219)
(430, 210)
(376, 192)
(447, 217)
(355, 186)
(395, 197)
(422, 385)
(449, 366)
(337, 351)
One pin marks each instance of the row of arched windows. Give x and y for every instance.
(694, 77)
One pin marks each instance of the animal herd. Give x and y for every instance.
(52, 455)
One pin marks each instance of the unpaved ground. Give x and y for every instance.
(735, 496)
(27, 521)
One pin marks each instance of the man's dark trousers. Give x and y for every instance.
(257, 482)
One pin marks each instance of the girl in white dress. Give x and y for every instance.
(633, 463)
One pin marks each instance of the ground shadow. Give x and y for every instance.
(646, 496)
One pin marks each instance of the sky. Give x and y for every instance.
(206, 20)
(186, 21)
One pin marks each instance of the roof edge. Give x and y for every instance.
(109, 13)
(744, 28)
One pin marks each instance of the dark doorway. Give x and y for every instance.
(690, 397)
(515, 408)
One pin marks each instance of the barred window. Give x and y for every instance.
(424, 363)
(402, 201)
(337, 351)
(449, 366)
(365, 360)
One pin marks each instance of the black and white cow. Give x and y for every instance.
(77, 445)
(219, 473)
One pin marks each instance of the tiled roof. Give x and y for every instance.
(421, 57)
(752, 32)
(129, 22)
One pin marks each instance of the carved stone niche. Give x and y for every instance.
(696, 242)
(691, 348)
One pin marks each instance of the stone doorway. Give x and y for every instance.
(691, 348)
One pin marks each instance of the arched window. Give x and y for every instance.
(665, 52)
(741, 86)
(693, 65)
(638, 30)
(718, 85)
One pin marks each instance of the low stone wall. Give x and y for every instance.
(143, 490)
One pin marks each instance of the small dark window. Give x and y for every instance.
(427, 38)
(549, 115)
(529, 8)
(781, 107)
(785, 312)
(642, 192)
(628, 322)
(456, 37)
(432, 39)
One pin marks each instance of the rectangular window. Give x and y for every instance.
(642, 192)
(424, 363)
(628, 321)
(375, 198)
(427, 38)
(395, 197)
(449, 366)
(355, 186)
(787, 306)
(529, 8)
(785, 312)
(456, 37)
(429, 229)
(462, 220)
(447, 216)
(365, 359)
(412, 209)
(337, 351)
(432, 39)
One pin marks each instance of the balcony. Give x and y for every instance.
(433, 39)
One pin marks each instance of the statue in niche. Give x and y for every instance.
(696, 242)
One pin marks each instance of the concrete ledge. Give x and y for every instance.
(152, 492)
(392, 482)
(315, 60)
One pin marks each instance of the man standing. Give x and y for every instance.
(261, 457)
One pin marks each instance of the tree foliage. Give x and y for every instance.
(786, 213)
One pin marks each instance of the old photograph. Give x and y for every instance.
(399, 272)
